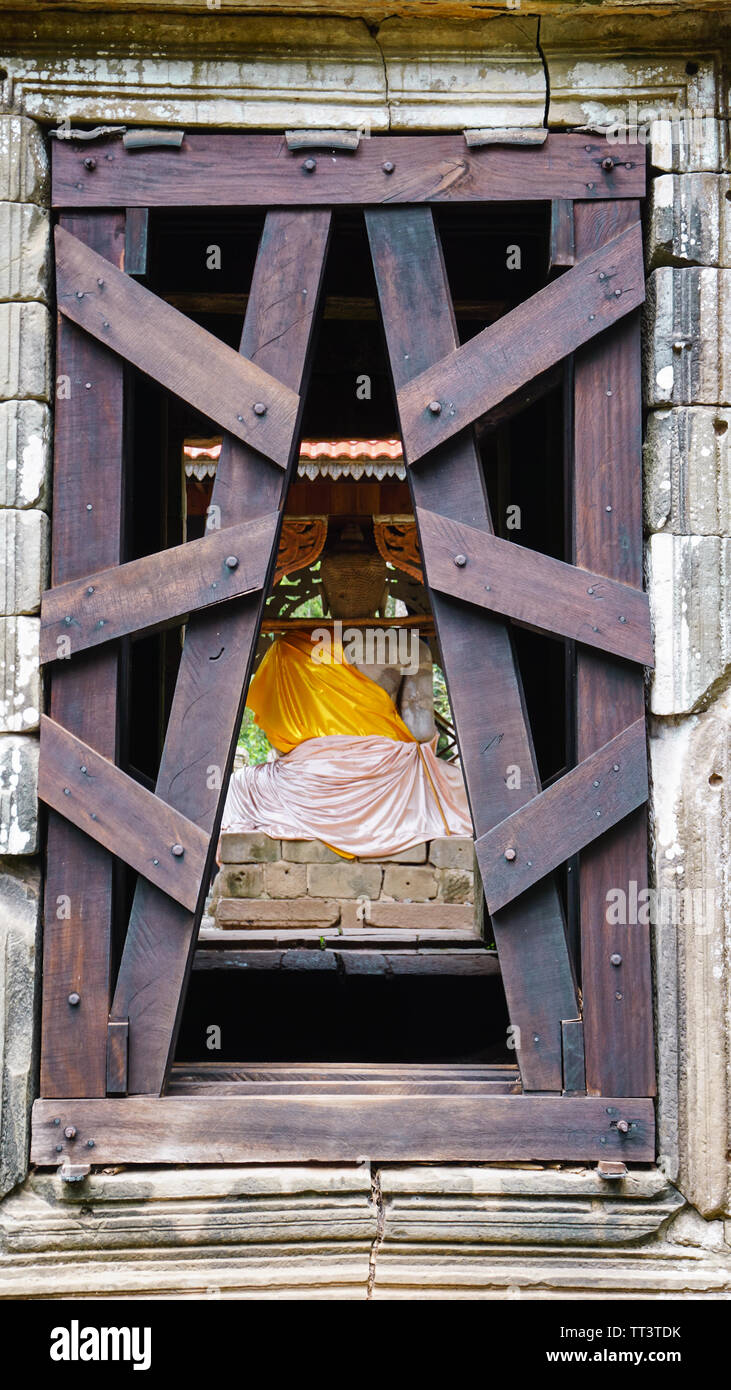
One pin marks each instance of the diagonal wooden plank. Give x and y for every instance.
(238, 394)
(484, 684)
(470, 380)
(145, 593)
(570, 814)
(88, 469)
(617, 986)
(218, 652)
(238, 169)
(113, 809)
(477, 567)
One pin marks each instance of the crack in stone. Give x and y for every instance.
(377, 1196)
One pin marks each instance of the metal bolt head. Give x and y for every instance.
(90, 1143)
(89, 162)
(435, 407)
(608, 163)
(460, 561)
(70, 1132)
(156, 862)
(232, 562)
(90, 589)
(310, 165)
(74, 1000)
(623, 1126)
(617, 294)
(178, 851)
(260, 408)
(387, 166)
(510, 855)
(622, 619)
(79, 294)
(615, 958)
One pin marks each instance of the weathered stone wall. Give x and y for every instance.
(442, 1229)
(25, 430)
(291, 883)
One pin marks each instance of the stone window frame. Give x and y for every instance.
(687, 508)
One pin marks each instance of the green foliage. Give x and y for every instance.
(253, 739)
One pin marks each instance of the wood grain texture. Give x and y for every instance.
(534, 588)
(283, 1128)
(86, 535)
(484, 686)
(362, 962)
(571, 813)
(216, 169)
(618, 1029)
(146, 593)
(119, 814)
(173, 350)
(574, 1070)
(562, 251)
(602, 287)
(218, 652)
(117, 1048)
(136, 238)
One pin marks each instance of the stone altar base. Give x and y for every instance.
(302, 883)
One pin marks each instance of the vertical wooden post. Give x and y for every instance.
(87, 528)
(618, 1033)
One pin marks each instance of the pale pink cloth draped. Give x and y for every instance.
(369, 797)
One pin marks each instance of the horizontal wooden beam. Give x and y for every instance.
(401, 962)
(173, 350)
(562, 820)
(454, 392)
(146, 593)
(140, 829)
(523, 584)
(336, 306)
(249, 1128)
(236, 169)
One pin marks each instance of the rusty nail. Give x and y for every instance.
(615, 958)
(460, 561)
(623, 1126)
(387, 166)
(74, 999)
(232, 561)
(89, 163)
(70, 1132)
(510, 855)
(309, 165)
(608, 163)
(435, 407)
(178, 851)
(260, 408)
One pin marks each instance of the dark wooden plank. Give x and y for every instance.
(562, 251)
(618, 1029)
(255, 1129)
(603, 287)
(146, 593)
(237, 393)
(218, 652)
(484, 685)
(198, 1073)
(86, 535)
(117, 1047)
(119, 814)
(404, 962)
(477, 567)
(136, 235)
(219, 169)
(590, 799)
(574, 1071)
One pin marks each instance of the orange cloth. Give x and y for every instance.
(295, 698)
